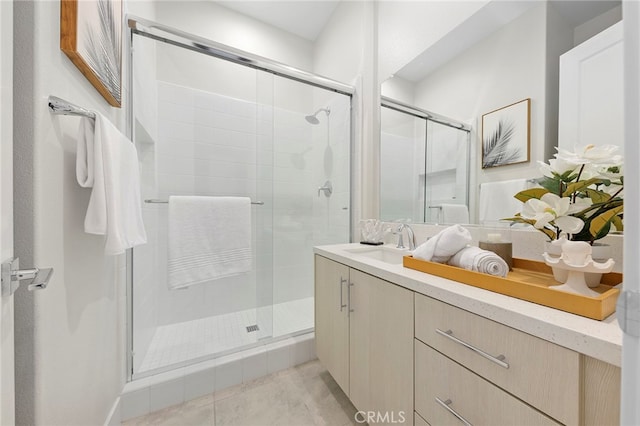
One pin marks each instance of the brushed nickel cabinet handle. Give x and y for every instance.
(446, 404)
(342, 305)
(498, 360)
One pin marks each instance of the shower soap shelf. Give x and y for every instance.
(531, 281)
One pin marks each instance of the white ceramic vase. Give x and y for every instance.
(599, 252)
(576, 259)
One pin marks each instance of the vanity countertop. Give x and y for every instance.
(598, 339)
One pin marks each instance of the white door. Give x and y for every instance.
(591, 92)
(7, 386)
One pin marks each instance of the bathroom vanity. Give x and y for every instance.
(403, 344)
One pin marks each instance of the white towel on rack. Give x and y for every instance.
(479, 260)
(209, 239)
(497, 199)
(107, 162)
(455, 213)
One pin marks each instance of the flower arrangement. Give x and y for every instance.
(580, 195)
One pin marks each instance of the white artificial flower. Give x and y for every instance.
(608, 171)
(591, 154)
(551, 208)
(558, 166)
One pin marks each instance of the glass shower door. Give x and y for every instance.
(447, 168)
(311, 143)
(402, 166)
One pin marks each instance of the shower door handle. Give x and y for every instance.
(327, 188)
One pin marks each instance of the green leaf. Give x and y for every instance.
(528, 194)
(617, 222)
(601, 224)
(584, 184)
(597, 196)
(552, 185)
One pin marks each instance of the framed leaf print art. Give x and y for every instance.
(506, 134)
(91, 36)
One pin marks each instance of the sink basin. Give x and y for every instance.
(384, 254)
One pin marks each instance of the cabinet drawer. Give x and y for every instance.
(445, 390)
(541, 373)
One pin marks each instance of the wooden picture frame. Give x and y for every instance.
(506, 134)
(91, 36)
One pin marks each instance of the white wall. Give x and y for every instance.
(398, 89)
(70, 337)
(210, 20)
(594, 26)
(508, 66)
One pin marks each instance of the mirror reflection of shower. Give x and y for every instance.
(328, 152)
(313, 119)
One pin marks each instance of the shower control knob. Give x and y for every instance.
(327, 188)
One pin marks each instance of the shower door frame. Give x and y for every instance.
(428, 116)
(172, 36)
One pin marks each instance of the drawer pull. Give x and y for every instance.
(446, 404)
(498, 360)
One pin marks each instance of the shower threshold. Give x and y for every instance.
(180, 344)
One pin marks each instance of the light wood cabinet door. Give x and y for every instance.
(601, 393)
(381, 352)
(331, 319)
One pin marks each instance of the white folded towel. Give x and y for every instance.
(107, 161)
(497, 199)
(455, 213)
(443, 245)
(209, 239)
(479, 260)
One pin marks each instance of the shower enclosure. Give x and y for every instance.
(424, 163)
(209, 120)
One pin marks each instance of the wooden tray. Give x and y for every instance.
(531, 281)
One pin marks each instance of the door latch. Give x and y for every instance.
(12, 276)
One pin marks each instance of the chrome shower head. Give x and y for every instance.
(312, 119)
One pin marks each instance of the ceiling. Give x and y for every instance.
(304, 18)
(487, 20)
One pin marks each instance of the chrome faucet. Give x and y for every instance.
(410, 236)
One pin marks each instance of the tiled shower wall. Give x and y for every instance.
(210, 144)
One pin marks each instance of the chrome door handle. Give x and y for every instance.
(498, 360)
(11, 277)
(446, 404)
(349, 298)
(342, 282)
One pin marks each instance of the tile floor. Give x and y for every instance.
(299, 396)
(176, 344)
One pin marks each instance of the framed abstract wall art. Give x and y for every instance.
(506, 135)
(91, 36)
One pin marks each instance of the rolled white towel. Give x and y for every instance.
(443, 245)
(479, 260)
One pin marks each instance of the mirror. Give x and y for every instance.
(499, 52)
(415, 143)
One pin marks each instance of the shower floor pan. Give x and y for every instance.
(177, 344)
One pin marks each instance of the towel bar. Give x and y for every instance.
(61, 107)
(156, 201)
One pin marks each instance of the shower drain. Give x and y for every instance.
(251, 328)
